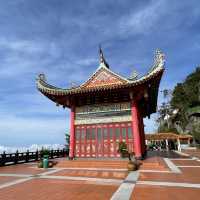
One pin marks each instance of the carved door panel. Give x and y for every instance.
(99, 142)
(102, 140)
(93, 141)
(105, 142)
(88, 142)
(111, 142)
(77, 143)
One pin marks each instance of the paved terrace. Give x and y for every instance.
(161, 176)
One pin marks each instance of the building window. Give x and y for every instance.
(99, 134)
(124, 133)
(77, 134)
(88, 134)
(105, 133)
(130, 135)
(111, 133)
(82, 134)
(117, 133)
(93, 133)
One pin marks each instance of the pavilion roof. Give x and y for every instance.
(169, 135)
(104, 78)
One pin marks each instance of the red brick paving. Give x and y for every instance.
(143, 192)
(39, 189)
(5, 179)
(154, 163)
(192, 152)
(21, 169)
(54, 189)
(188, 175)
(186, 162)
(96, 174)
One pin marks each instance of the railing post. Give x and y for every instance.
(41, 154)
(27, 156)
(56, 153)
(36, 155)
(3, 159)
(51, 154)
(63, 152)
(16, 157)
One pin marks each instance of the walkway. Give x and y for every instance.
(162, 176)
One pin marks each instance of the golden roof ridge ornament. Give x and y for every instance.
(133, 76)
(102, 60)
(42, 77)
(159, 60)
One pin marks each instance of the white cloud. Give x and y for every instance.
(142, 20)
(150, 124)
(86, 61)
(21, 45)
(32, 130)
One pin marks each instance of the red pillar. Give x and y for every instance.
(143, 137)
(136, 129)
(141, 133)
(72, 134)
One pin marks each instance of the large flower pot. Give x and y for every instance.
(45, 161)
(131, 166)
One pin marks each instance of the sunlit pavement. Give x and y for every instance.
(161, 176)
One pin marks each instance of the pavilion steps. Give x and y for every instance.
(154, 163)
(150, 163)
(93, 164)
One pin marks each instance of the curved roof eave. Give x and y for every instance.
(157, 69)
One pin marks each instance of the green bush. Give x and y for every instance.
(122, 147)
(44, 153)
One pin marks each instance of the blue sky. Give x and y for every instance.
(60, 38)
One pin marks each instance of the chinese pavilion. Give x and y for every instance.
(108, 108)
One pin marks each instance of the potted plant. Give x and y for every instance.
(132, 164)
(44, 155)
(123, 150)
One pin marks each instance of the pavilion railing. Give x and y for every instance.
(25, 157)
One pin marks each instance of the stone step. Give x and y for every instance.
(93, 164)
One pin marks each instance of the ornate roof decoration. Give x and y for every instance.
(159, 59)
(42, 77)
(103, 62)
(103, 78)
(133, 76)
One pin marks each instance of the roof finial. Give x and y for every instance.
(102, 59)
(159, 59)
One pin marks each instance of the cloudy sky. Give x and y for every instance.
(60, 38)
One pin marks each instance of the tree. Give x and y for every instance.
(186, 96)
(164, 112)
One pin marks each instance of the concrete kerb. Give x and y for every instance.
(17, 175)
(126, 188)
(181, 153)
(15, 182)
(169, 184)
(89, 169)
(172, 166)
